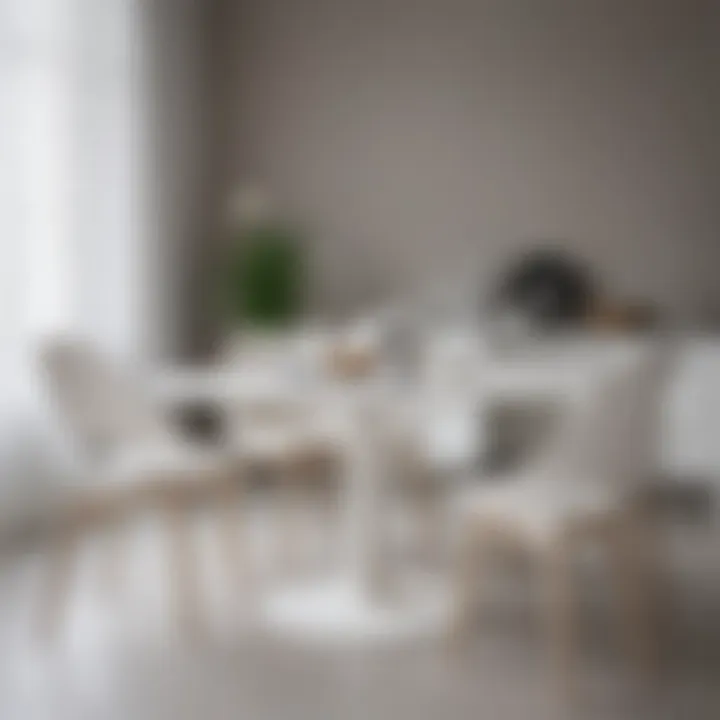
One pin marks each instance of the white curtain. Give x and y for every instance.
(70, 217)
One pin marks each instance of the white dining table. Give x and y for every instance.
(540, 375)
(349, 605)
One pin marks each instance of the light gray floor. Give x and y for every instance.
(119, 652)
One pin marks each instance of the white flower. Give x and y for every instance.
(249, 204)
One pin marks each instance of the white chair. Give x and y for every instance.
(452, 418)
(438, 433)
(582, 487)
(127, 456)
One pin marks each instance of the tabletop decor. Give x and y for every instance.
(264, 270)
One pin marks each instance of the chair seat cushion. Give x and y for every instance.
(541, 508)
(158, 461)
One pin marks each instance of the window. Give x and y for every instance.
(69, 173)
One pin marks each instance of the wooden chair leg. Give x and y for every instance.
(232, 548)
(656, 597)
(182, 570)
(470, 563)
(55, 590)
(630, 559)
(329, 518)
(560, 617)
(289, 535)
(431, 519)
(113, 571)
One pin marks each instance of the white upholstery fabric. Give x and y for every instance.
(601, 452)
(122, 437)
(539, 506)
(154, 462)
(99, 402)
(450, 409)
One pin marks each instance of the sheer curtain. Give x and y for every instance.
(70, 216)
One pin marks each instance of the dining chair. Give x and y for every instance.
(127, 457)
(582, 487)
(284, 438)
(439, 433)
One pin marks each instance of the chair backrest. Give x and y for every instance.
(610, 434)
(450, 362)
(452, 403)
(100, 405)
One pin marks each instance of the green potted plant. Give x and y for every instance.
(265, 278)
(264, 272)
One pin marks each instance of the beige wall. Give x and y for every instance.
(423, 138)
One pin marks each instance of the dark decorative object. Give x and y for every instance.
(548, 289)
